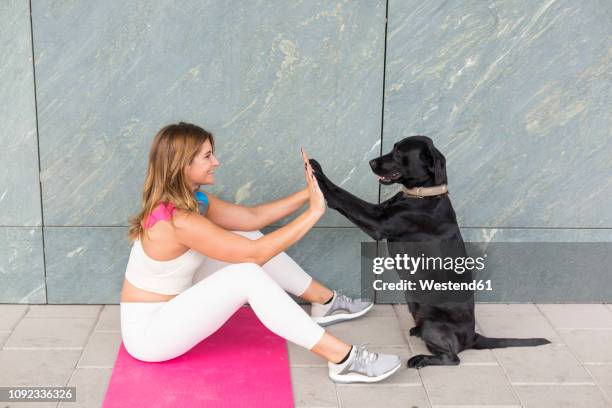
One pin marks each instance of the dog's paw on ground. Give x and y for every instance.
(415, 331)
(418, 361)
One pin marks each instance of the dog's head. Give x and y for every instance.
(413, 161)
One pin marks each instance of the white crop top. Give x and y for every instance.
(165, 277)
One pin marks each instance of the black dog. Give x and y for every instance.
(447, 327)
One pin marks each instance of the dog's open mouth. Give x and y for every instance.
(388, 178)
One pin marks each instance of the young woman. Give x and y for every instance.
(181, 231)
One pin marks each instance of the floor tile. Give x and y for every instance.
(404, 317)
(375, 395)
(81, 311)
(378, 330)
(589, 345)
(602, 373)
(91, 385)
(110, 319)
(577, 316)
(312, 387)
(513, 320)
(3, 337)
(561, 396)
(299, 356)
(10, 315)
(550, 363)
(37, 367)
(382, 310)
(101, 350)
(44, 332)
(468, 385)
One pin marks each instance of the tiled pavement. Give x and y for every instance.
(55, 345)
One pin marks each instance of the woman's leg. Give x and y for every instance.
(185, 320)
(282, 268)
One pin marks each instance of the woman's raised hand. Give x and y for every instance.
(317, 200)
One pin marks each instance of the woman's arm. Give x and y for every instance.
(241, 218)
(267, 213)
(201, 234)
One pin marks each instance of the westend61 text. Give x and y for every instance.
(428, 285)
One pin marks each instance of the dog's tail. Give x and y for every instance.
(482, 342)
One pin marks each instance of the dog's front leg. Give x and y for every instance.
(367, 216)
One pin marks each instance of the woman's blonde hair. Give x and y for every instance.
(173, 148)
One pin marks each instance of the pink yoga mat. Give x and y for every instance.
(243, 364)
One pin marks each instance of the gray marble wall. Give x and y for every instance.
(514, 93)
(22, 274)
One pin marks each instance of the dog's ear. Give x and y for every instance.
(438, 167)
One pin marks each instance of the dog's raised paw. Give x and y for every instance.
(417, 361)
(316, 167)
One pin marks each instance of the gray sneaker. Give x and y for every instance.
(364, 366)
(341, 308)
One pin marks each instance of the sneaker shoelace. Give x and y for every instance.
(364, 359)
(345, 299)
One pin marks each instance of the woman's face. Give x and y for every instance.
(201, 170)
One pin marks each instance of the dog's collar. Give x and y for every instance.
(420, 192)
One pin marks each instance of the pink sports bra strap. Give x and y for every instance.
(164, 211)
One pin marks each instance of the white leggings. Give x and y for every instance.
(159, 331)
